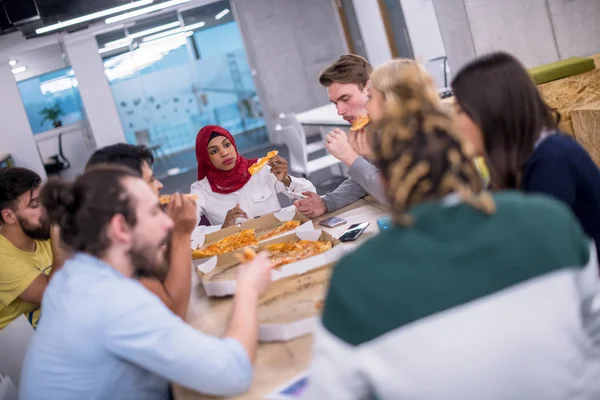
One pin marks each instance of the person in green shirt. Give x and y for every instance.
(468, 296)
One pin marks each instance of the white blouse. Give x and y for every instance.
(258, 197)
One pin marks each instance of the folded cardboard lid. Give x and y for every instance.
(294, 298)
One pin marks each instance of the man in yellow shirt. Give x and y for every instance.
(26, 254)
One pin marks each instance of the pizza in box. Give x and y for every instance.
(242, 239)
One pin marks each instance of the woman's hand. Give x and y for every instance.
(279, 168)
(232, 215)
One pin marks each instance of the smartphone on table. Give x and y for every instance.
(354, 232)
(332, 222)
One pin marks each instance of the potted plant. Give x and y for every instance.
(52, 114)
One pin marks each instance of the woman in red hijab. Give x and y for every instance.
(227, 191)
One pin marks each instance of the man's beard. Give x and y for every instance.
(41, 232)
(146, 266)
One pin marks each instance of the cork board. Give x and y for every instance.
(569, 93)
(586, 124)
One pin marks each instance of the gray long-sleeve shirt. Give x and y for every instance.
(364, 179)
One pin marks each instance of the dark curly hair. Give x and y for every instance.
(84, 208)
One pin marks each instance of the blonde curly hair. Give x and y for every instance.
(416, 146)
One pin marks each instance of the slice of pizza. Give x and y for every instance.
(262, 162)
(166, 198)
(285, 227)
(360, 122)
(247, 255)
(287, 253)
(226, 245)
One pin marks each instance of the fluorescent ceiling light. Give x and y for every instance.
(111, 48)
(19, 69)
(194, 26)
(174, 37)
(154, 30)
(118, 43)
(161, 35)
(222, 13)
(92, 16)
(13, 63)
(145, 10)
(173, 32)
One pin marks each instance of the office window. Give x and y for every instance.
(57, 89)
(172, 76)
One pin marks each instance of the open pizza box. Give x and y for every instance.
(220, 272)
(292, 305)
(262, 226)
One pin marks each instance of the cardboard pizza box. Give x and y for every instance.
(262, 225)
(219, 273)
(291, 307)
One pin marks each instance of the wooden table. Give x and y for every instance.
(276, 363)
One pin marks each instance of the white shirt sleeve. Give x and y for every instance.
(147, 334)
(297, 186)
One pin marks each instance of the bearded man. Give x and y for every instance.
(105, 336)
(27, 255)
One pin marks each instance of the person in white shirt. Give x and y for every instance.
(225, 188)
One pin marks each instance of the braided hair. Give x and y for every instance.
(416, 146)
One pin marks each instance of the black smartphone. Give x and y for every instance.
(354, 232)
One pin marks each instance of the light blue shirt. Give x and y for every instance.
(104, 336)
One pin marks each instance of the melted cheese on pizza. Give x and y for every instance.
(166, 198)
(287, 253)
(226, 245)
(262, 162)
(285, 227)
(360, 123)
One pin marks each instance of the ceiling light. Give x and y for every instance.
(194, 26)
(145, 10)
(106, 49)
(95, 15)
(13, 63)
(161, 35)
(118, 43)
(222, 13)
(154, 30)
(19, 69)
(175, 37)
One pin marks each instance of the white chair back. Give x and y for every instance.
(14, 340)
(298, 155)
(291, 120)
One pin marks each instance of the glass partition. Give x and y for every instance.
(173, 74)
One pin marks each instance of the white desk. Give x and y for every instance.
(327, 115)
(321, 116)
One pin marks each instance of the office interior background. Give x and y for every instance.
(170, 67)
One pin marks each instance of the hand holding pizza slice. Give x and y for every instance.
(262, 162)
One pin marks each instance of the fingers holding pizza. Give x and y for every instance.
(279, 168)
(255, 274)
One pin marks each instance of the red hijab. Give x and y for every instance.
(223, 182)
